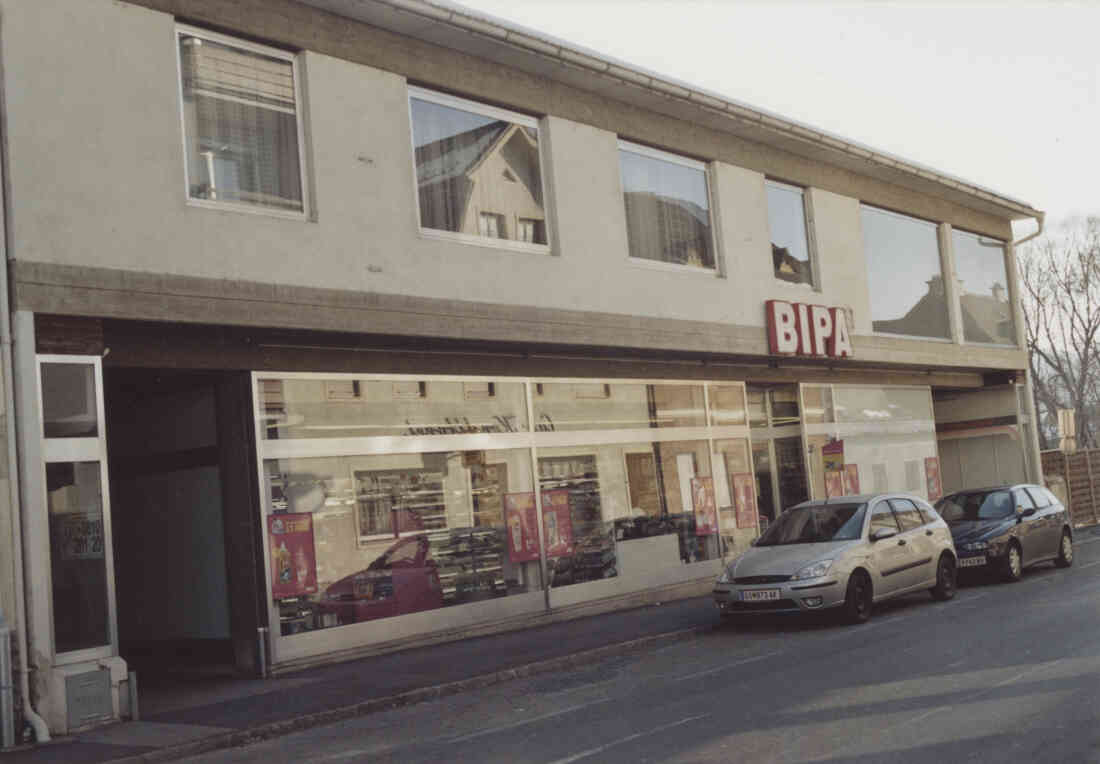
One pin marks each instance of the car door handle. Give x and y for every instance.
(901, 542)
(928, 533)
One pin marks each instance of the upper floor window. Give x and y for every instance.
(478, 172)
(787, 223)
(983, 289)
(667, 207)
(904, 274)
(241, 123)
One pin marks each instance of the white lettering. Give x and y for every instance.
(822, 323)
(804, 346)
(840, 346)
(782, 332)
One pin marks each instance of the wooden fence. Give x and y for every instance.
(1080, 474)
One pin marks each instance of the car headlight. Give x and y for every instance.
(976, 546)
(726, 577)
(813, 570)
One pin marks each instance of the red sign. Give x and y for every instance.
(834, 483)
(932, 478)
(744, 496)
(795, 328)
(832, 455)
(293, 558)
(851, 479)
(706, 508)
(521, 518)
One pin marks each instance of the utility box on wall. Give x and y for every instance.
(88, 698)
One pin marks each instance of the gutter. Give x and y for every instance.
(41, 729)
(1040, 218)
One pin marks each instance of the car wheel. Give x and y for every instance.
(1065, 551)
(1013, 569)
(945, 579)
(858, 599)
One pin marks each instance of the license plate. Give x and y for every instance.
(971, 562)
(759, 595)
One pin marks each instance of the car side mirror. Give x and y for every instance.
(1021, 512)
(882, 533)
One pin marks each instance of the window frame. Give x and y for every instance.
(940, 255)
(694, 164)
(814, 284)
(306, 214)
(485, 110)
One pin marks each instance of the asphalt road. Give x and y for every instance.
(1004, 673)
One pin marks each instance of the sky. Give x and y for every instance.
(1004, 95)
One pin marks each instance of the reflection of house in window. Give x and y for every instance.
(668, 230)
(928, 318)
(987, 318)
(790, 268)
(491, 167)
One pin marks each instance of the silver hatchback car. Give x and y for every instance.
(847, 552)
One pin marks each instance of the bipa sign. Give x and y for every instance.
(814, 330)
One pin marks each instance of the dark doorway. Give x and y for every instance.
(181, 469)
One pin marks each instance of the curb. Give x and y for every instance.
(320, 718)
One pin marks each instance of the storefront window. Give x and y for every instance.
(78, 563)
(904, 274)
(567, 407)
(360, 538)
(727, 405)
(738, 501)
(818, 403)
(983, 289)
(347, 408)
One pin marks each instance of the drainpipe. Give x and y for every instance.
(41, 730)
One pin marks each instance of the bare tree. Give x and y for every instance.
(1060, 286)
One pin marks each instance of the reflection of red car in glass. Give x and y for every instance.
(403, 580)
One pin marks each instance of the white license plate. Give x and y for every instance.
(759, 595)
(971, 562)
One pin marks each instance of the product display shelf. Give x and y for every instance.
(469, 564)
(594, 545)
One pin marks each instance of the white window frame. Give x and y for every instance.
(524, 120)
(950, 339)
(683, 161)
(811, 240)
(81, 449)
(299, 104)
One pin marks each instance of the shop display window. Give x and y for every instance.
(343, 408)
(69, 400)
(983, 289)
(565, 406)
(727, 405)
(360, 538)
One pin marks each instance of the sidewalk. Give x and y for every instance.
(186, 719)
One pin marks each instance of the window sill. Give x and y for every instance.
(992, 345)
(917, 337)
(657, 265)
(801, 286)
(248, 209)
(510, 245)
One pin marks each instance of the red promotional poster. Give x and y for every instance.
(932, 478)
(520, 514)
(558, 525)
(834, 483)
(744, 495)
(706, 509)
(851, 479)
(293, 559)
(523, 540)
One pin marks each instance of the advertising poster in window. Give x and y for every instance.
(78, 535)
(832, 455)
(834, 483)
(293, 558)
(744, 496)
(851, 480)
(520, 517)
(932, 478)
(559, 523)
(706, 509)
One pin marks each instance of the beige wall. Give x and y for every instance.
(109, 161)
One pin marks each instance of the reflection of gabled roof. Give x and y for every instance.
(986, 319)
(671, 205)
(456, 155)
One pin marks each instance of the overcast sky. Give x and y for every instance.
(1005, 95)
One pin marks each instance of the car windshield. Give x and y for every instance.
(815, 524)
(975, 505)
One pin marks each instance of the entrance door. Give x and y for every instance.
(777, 450)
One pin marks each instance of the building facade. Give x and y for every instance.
(341, 327)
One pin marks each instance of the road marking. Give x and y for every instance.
(726, 666)
(524, 722)
(1087, 541)
(627, 739)
(1091, 564)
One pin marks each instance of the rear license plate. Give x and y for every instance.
(759, 595)
(971, 562)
